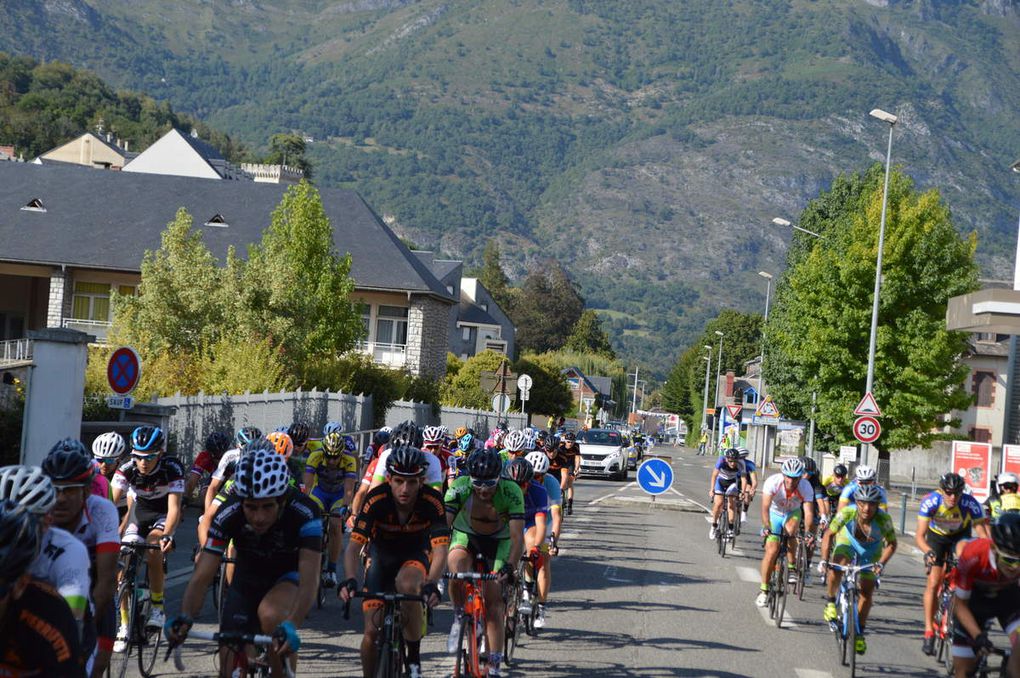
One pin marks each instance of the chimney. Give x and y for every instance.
(126, 142)
(728, 393)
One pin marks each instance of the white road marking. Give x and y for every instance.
(749, 574)
(788, 623)
(812, 673)
(613, 493)
(570, 535)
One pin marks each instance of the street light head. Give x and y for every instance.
(766, 275)
(719, 333)
(879, 114)
(707, 347)
(781, 222)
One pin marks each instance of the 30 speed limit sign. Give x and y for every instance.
(867, 429)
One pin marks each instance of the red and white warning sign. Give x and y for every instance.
(868, 407)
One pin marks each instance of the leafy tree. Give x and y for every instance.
(819, 330)
(549, 391)
(589, 337)
(464, 389)
(289, 149)
(546, 309)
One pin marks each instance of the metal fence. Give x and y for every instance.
(480, 420)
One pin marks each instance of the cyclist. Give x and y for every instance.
(946, 516)
(38, 636)
(1008, 499)
(216, 444)
(864, 475)
(486, 514)
(536, 517)
(821, 501)
(404, 525)
(515, 443)
(154, 483)
(750, 481)
(550, 545)
(569, 455)
(380, 439)
(863, 533)
(94, 522)
(726, 482)
(108, 451)
(786, 498)
(299, 433)
(408, 433)
(329, 480)
(63, 561)
(432, 443)
(988, 574)
(277, 535)
(834, 485)
(228, 462)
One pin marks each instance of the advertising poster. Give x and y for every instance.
(1011, 459)
(973, 461)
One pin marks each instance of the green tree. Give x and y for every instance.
(289, 149)
(549, 391)
(546, 309)
(491, 275)
(464, 388)
(819, 329)
(589, 337)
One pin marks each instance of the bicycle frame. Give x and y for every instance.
(237, 642)
(134, 580)
(848, 624)
(474, 620)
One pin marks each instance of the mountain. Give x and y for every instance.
(647, 145)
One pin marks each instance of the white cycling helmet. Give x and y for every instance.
(744, 452)
(444, 430)
(530, 436)
(539, 461)
(332, 427)
(793, 468)
(865, 473)
(261, 473)
(108, 446)
(1007, 479)
(515, 441)
(29, 487)
(432, 434)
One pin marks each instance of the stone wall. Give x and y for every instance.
(427, 335)
(60, 298)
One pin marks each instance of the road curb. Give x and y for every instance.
(661, 503)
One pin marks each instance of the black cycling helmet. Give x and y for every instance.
(733, 454)
(406, 460)
(148, 439)
(810, 467)
(246, 435)
(407, 433)
(68, 462)
(484, 465)
(520, 471)
(503, 426)
(569, 437)
(1006, 532)
(19, 540)
(381, 438)
(952, 483)
(298, 432)
(218, 442)
(840, 471)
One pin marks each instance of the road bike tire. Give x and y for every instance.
(222, 586)
(530, 627)
(512, 622)
(150, 640)
(119, 660)
(851, 635)
(802, 569)
(772, 597)
(724, 526)
(384, 661)
(781, 592)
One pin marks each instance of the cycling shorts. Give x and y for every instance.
(724, 486)
(241, 607)
(494, 551)
(383, 567)
(943, 544)
(142, 523)
(330, 502)
(778, 519)
(1004, 607)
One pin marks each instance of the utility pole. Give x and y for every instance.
(633, 399)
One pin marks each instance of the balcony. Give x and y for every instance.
(390, 355)
(15, 353)
(97, 328)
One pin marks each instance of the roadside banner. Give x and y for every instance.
(1011, 459)
(973, 461)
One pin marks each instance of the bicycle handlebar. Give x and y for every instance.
(475, 576)
(388, 597)
(224, 638)
(140, 545)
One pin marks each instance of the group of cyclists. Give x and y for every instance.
(980, 542)
(418, 503)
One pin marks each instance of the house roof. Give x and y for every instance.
(998, 349)
(474, 314)
(106, 220)
(591, 381)
(203, 148)
(603, 385)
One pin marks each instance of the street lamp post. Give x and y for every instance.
(786, 224)
(761, 369)
(708, 366)
(718, 414)
(890, 120)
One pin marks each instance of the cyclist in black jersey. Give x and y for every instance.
(38, 633)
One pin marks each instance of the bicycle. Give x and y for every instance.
(236, 642)
(982, 669)
(472, 643)
(944, 597)
(391, 656)
(802, 563)
(847, 626)
(320, 595)
(133, 590)
(778, 579)
(727, 531)
(516, 618)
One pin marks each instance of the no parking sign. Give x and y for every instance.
(124, 370)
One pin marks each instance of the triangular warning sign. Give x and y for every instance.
(867, 407)
(767, 408)
(734, 410)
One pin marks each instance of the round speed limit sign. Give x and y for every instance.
(867, 429)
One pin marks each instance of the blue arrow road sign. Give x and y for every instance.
(655, 476)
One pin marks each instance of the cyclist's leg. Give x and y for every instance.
(459, 559)
(380, 577)
(768, 561)
(154, 558)
(941, 546)
(496, 553)
(544, 573)
(276, 606)
(791, 526)
(336, 533)
(240, 614)
(409, 582)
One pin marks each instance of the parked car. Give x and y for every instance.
(603, 454)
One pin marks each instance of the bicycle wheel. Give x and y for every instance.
(851, 636)
(772, 597)
(221, 596)
(802, 569)
(149, 641)
(512, 623)
(384, 662)
(724, 526)
(119, 660)
(530, 627)
(781, 592)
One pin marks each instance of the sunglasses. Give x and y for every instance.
(107, 460)
(484, 483)
(145, 457)
(1008, 560)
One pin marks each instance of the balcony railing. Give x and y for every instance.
(390, 355)
(98, 328)
(15, 351)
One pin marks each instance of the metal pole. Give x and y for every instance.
(878, 285)
(811, 431)
(633, 399)
(718, 409)
(704, 406)
(761, 369)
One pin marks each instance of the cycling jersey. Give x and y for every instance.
(953, 521)
(99, 526)
(860, 541)
(565, 457)
(39, 637)
(273, 555)
(976, 570)
(848, 494)
(815, 480)
(63, 563)
(150, 491)
(727, 476)
(204, 463)
(433, 475)
(508, 502)
(100, 485)
(833, 488)
(749, 468)
(328, 477)
(228, 462)
(552, 489)
(536, 502)
(1006, 502)
(379, 521)
(783, 503)
(366, 479)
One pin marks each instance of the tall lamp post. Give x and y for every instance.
(718, 414)
(708, 367)
(890, 120)
(761, 370)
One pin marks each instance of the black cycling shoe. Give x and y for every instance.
(928, 647)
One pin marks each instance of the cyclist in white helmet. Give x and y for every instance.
(786, 499)
(550, 547)
(864, 475)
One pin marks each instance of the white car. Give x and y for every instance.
(603, 454)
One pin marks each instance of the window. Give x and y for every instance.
(983, 388)
(391, 325)
(466, 336)
(366, 320)
(126, 290)
(91, 301)
(218, 221)
(981, 435)
(34, 205)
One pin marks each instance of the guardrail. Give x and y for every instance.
(15, 351)
(98, 328)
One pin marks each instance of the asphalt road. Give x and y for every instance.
(639, 590)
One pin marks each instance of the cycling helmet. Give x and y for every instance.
(1006, 532)
(865, 473)
(407, 433)
(381, 437)
(466, 443)
(503, 425)
(217, 442)
(298, 432)
(952, 483)
(29, 487)
(793, 468)
(460, 432)
(333, 444)
(261, 473)
(432, 435)
(515, 441)
(520, 471)
(148, 439)
(247, 435)
(19, 540)
(69, 463)
(1007, 479)
(840, 471)
(406, 461)
(744, 452)
(810, 467)
(484, 465)
(282, 442)
(110, 445)
(542, 436)
(529, 438)
(332, 427)
(569, 437)
(282, 428)
(732, 454)
(539, 461)
(868, 493)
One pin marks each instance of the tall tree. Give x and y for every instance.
(819, 330)
(289, 149)
(546, 309)
(587, 336)
(492, 276)
(549, 391)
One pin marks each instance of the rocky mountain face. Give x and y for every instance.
(647, 145)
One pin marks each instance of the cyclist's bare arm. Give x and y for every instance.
(309, 482)
(437, 566)
(309, 562)
(210, 492)
(922, 529)
(766, 504)
(201, 578)
(516, 540)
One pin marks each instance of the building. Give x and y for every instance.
(184, 155)
(6, 153)
(985, 420)
(585, 389)
(70, 237)
(90, 150)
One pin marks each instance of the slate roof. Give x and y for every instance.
(472, 313)
(203, 148)
(106, 220)
(603, 385)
